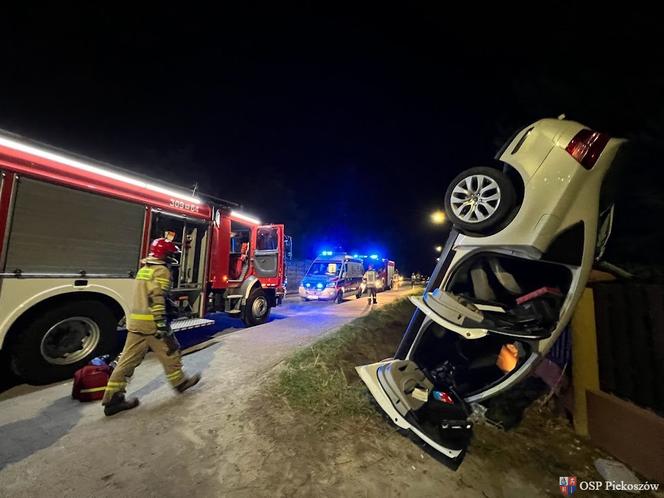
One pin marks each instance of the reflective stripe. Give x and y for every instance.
(157, 307)
(145, 274)
(174, 375)
(164, 283)
(93, 390)
(114, 384)
(139, 316)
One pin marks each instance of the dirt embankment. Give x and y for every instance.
(327, 438)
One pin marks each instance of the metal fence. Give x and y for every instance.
(295, 270)
(630, 341)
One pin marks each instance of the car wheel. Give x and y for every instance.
(56, 343)
(256, 308)
(479, 199)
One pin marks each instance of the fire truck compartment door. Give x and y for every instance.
(268, 253)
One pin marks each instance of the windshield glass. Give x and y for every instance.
(324, 268)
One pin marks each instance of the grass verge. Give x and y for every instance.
(321, 379)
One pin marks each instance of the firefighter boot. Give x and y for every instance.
(119, 404)
(188, 382)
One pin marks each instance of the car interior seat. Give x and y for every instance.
(239, 263)
(489, 285)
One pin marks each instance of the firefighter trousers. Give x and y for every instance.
(132, 355)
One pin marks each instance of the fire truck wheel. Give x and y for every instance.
(56, 343)
(256, 309)
(340, 297)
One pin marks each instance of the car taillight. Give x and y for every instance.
(586, 147)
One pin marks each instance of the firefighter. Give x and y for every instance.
(370, 277)
(396, 281)
(148, 328)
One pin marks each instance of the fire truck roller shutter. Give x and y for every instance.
(59, 230)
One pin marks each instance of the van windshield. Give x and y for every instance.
(324, 268)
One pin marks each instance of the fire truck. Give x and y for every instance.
(385, 269)
(72, 234)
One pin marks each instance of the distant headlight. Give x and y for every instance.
(319, 285)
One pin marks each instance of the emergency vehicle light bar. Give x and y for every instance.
(51, 156)
(245, 217)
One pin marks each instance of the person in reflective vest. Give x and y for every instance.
(148, 328)
(370, 278)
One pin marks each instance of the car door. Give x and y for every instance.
(356, 277)
(267, 257)
(434, 413)
(347, 278)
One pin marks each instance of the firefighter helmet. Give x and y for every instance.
(163, 249)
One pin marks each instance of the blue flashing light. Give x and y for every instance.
(326, 253)
(374, 256)
(319, 285)
(356, 255)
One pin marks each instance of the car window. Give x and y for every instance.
(358, 270)
(324, 268)
(266, 239)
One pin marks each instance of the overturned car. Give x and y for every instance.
(524, 242)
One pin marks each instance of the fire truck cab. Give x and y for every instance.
(72, 234)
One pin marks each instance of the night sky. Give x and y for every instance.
(347, 125)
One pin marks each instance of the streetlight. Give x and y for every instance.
(439, 248)
(438, 217)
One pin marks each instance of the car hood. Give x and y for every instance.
(314, 280)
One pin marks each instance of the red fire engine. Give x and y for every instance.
(72, 233)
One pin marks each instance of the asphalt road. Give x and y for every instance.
(53, 445)
(224, 324)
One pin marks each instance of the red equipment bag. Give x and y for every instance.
(90, 382)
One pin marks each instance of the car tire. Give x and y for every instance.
(33, 350)
(479, 200)
(340, 297)
(256, 308)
